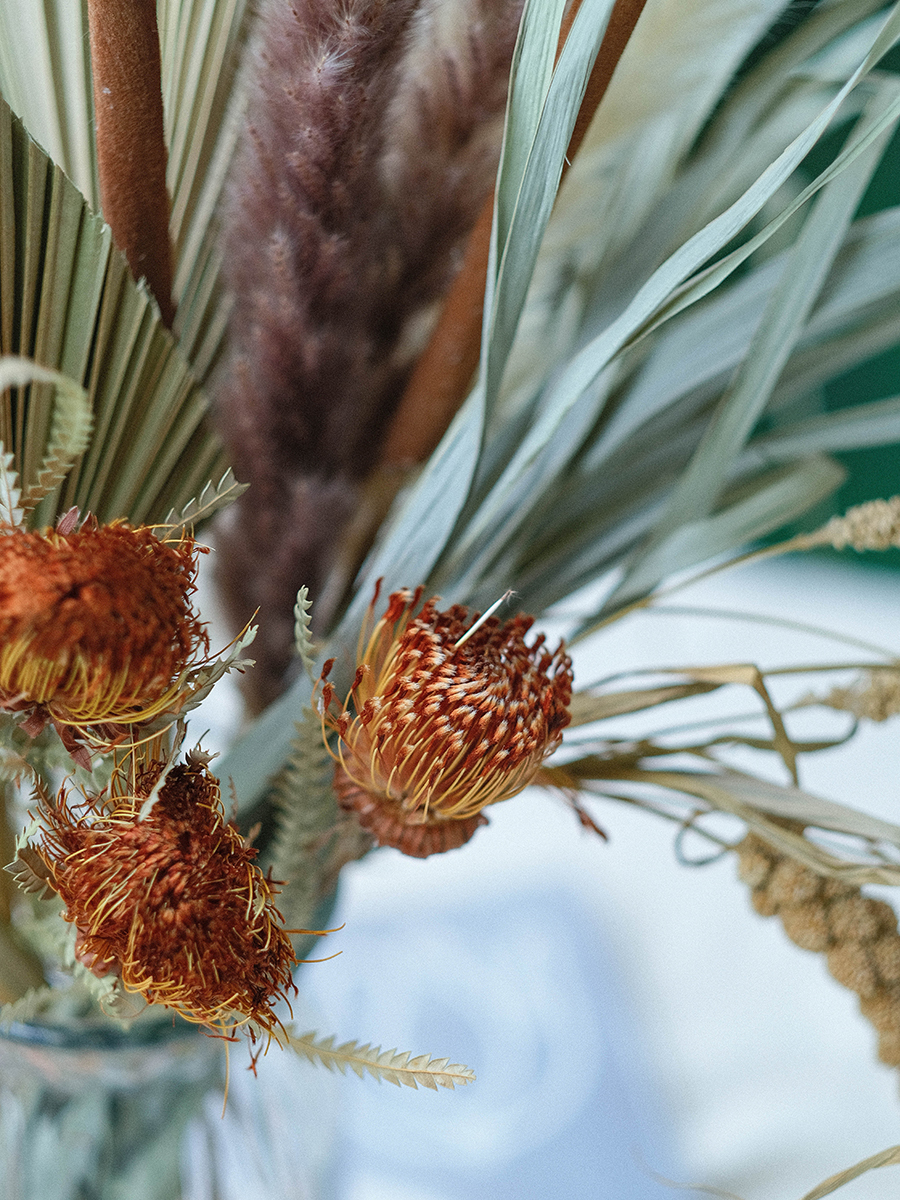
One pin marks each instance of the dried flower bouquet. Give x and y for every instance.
(469, 297)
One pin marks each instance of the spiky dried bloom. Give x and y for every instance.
(445, 716)
(96, 624)
(856, 933)
(371, 139)
(171, 900)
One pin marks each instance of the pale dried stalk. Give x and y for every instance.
(875, 696)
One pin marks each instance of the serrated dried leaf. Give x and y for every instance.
(384, 1065)
(70, 430)
(214, 496)
(31, 874)
(11, 512)
(204, 680)
(35, 1001)
(303, 641)
(70, 435)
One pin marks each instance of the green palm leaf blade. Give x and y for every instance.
(561, 424)
(69, 303)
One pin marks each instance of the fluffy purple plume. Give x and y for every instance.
(371, 139)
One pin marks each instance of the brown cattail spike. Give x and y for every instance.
(131, 149)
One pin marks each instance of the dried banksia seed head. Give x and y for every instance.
(96, 623)
(165, 893)
(446, 715)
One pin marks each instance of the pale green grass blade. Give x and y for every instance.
(526, 192)
(785, 314)
(654, 301)
(530, 77)
(856, 316)
(771, 502)
(873, 424)
(423, 523)
(585, 369)
(673, 73)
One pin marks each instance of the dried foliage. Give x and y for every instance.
(384, 1065)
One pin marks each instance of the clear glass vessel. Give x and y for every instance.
(94, 1112)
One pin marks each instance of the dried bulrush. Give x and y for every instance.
(97, 629)
(164, 893)
(447, 714)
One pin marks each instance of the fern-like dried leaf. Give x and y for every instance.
(70, 434)
(30, 872)
(303, 640)
(214, 497)
(313, 839)
(70, 428)
(205, 679)
(384, 1065)
(11, 512)
(34, 1003)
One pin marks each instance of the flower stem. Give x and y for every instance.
(444, 371)
(131, 150)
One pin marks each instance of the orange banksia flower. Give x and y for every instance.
(445, 716)
(165, 893)
(96, 624)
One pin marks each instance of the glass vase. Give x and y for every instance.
(94, 1112)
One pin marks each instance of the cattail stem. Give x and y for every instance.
(131, 150)
(444, 371)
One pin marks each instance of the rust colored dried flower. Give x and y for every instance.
(171, 900)
(448, 716)
(96, 623)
